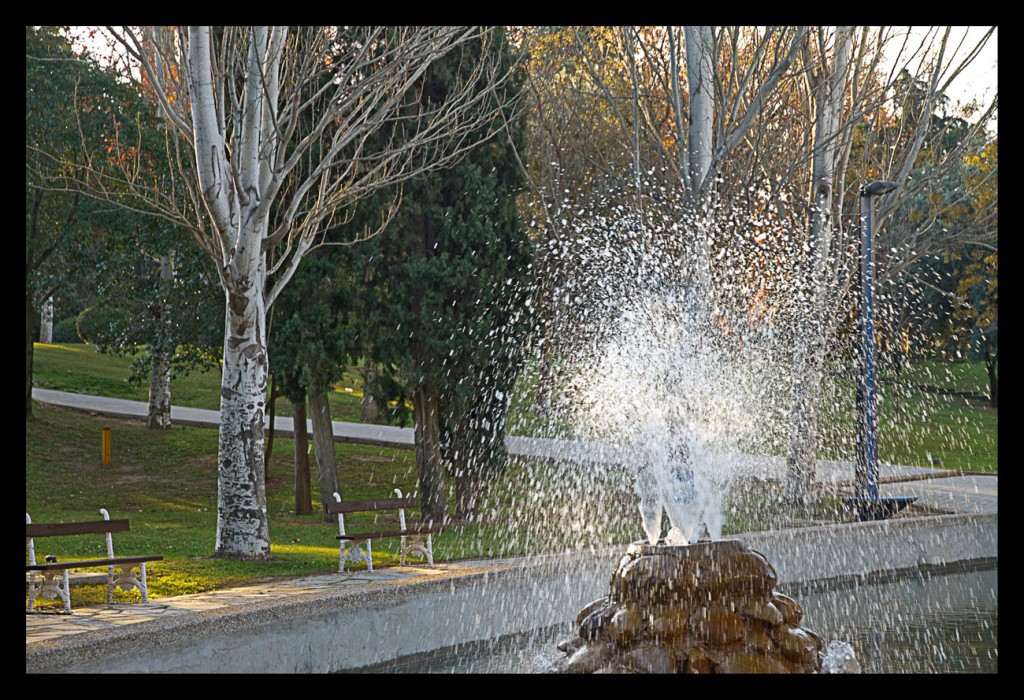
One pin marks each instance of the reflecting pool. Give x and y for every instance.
(932, 623)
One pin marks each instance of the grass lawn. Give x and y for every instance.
(78, 368)
(164, 481)
(932, 415)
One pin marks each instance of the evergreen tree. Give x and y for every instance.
(170, 318)
(446, 286)
(76, 115)
(311, 341)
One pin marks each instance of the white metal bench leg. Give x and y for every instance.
(417, 547)
(66, 593)
(355, 553)
(143, 588)
(123, 577)
(32, 591)
(49, 585)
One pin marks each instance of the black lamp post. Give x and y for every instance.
(867, 503)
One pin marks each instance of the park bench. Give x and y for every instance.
(51, 579)
(416, 537)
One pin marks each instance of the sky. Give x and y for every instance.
(982, 78)
(979, 81)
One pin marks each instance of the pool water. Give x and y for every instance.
(919, 623)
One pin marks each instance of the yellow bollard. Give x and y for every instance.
(106, 447)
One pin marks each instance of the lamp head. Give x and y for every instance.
(878, 187)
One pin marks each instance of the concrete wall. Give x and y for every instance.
(859, 549)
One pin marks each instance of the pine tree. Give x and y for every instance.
(446, 285)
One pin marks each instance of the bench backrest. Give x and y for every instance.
(375, 504)
(85, 527)
(88, 527)
(399, 503)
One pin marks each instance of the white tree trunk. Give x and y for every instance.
(46, 322)
(242, 530)
(158, 414)
(700, 63)
(810, 347)
(275, 124)
(232, 194)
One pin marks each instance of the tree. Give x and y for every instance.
(311, 341)
(981, 285)
(617, 124)
(172, 322)
(142, 267)
(71, 106)
(828, 89)
(942, 273)
(458, 255)
(776, 111)
(270, 153)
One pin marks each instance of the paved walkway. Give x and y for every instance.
(42, 626)
(942, 491)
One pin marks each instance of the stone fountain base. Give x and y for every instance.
(708, 607)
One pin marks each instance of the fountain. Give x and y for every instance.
(707, 607)
(707, 377)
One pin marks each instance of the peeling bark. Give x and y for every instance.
(242, 530)
(158, 414)
(700, 62)
(307, 153)
(46, 322)
(809, 355)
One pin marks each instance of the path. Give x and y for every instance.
(934, 488)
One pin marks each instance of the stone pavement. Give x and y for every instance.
(334, 622)
(42, 626)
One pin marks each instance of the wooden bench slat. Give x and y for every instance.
(375, 504)
(391, 533)
(87, 527)
(55, 566)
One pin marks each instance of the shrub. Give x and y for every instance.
(95, 323)
(66, 330)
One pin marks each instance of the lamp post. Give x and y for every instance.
(867, 502)
(867, 419)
